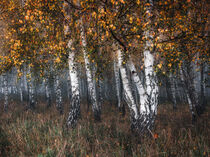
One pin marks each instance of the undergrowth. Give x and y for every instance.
(43, 133)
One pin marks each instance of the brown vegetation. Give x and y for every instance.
(43, 133)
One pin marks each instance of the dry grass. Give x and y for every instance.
(43, 133)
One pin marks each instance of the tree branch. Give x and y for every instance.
(118, 40)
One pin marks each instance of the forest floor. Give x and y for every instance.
(43, 133)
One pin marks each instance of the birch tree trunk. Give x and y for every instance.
(23, 2)
(151, 101)
(68, 83)
(134, 114)
(58, 94)
(74, 113)
(117, 83)
(97, 83)
(6, 94)
(189, 93)
(31, 91)
(91, 86)
(25, 84)
(100, 98)
(144, 108)
(48, 91)
(21, 86)
(25, 90)
(202, 87)
(173, 90)
(151, 98)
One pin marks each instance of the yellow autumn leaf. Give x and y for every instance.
(131, 19)
(159, 66)
(57, 60)
(27, 17)
(20, 21)
(122, 1)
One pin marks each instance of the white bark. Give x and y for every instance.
(117, 83)
(21, 89)
(74, 113)
(31, 89)
(75, 103)
(91, 86)
(73, 72)
(151, 84)
(58, 94)
(25, 83)
(143, 107)
(48, 91)
(97, 84)
(23, 2)
(126, 86)
(187, 91)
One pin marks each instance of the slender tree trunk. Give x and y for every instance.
(151, 89)
(69, 95)
(21, 86)
(25, 84)
(173, 90)
(31, 104)
(48, 92)
(202, 88)
(87, 95)
(118, 84)
(97, 84)
(91, 86)
(58, 94)
(167, 87)
(144, 108)
(134, 114)
(74, 113)
(148, 115)
(6, 94)
(100, 87)
(189, 93)
(23, 2)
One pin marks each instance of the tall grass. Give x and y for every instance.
(43, 133)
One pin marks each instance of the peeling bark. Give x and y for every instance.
(134, 114)
(91, 86)
(74, 113)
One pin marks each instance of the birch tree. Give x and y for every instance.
(74, 112)
(75, 98)
(173, 90)
(6, 94)
(58, 93)
(189, 90)
(31, 89)
(48, 91)
(118, 83)
(134, 113)
(90, 81)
